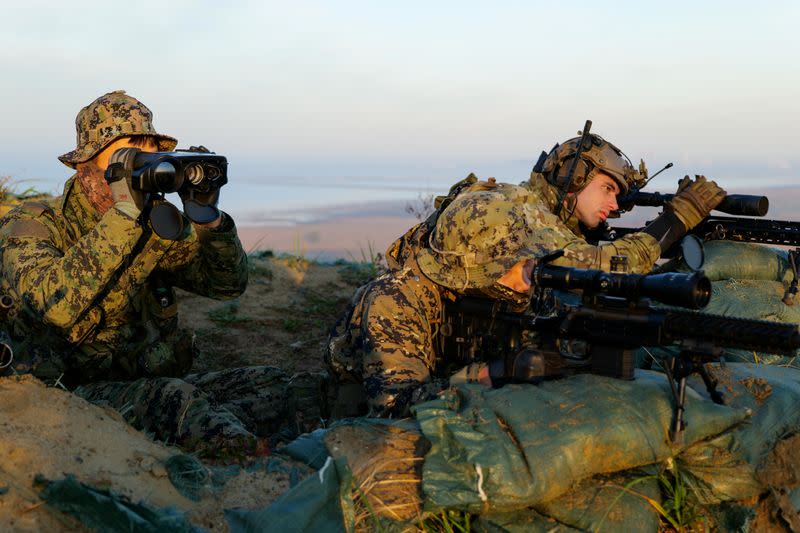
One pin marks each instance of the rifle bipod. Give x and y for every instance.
(678, 369)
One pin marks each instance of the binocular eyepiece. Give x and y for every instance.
(692, 291)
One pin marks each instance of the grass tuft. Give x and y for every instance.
(227, 313)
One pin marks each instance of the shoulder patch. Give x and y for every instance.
(27, 228)
(34, 208)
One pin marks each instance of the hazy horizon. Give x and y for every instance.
(414, 91)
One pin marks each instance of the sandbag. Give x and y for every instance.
(612, 503)
(752, 299)
(770, 393)
(106, 510)
(745, 260)
(321, 502)
(385, 458)
(521, 445)
(524, 521)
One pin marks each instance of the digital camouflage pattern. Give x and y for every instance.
(108, 118)
(480, 236)
(564, 232)
(57, 256)
(381, 354)
(384, 353)
(205, 410)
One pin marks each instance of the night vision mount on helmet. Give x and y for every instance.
(587, 155)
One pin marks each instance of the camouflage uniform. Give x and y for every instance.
(89, 312)
(565, 232)
(383, 355)
(385, 352)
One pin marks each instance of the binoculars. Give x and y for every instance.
(180, 171)
(195, 174)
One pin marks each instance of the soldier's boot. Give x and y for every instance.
(307, 396)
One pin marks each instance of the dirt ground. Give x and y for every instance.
(282, 319)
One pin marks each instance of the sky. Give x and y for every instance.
(322, 96)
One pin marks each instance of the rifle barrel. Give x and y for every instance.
(730, 332)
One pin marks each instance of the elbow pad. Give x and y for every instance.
(667, 229)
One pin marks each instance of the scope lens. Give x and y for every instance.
(164, 176)
(194, 173)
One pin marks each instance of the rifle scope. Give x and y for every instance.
(733, 204)
(692, 291)
(167, 172)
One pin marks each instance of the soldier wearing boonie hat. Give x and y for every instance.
(94, 299)
(110, 117)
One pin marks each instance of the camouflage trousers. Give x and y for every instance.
(221, 408)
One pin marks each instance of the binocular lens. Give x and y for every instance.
(164, 176)
(194, 173)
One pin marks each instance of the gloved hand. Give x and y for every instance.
(695, 199)
(525, 366)
(472, 373)
(200, 207)
(118, 177)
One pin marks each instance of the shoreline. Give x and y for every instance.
(353, 238)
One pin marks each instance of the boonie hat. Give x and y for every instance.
(110, 117)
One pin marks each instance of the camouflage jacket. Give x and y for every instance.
(564, 233)
(385, 342)
(388, 340)
(57, 258)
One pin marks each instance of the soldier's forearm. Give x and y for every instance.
(642, 251)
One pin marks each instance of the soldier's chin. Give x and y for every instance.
(593, 224)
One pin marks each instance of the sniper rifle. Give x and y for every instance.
(600, 334)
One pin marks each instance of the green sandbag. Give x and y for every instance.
(308, 448)
(523, 521)
(745, 260)
(752, 299)
(716, 471)
(105, 510)
(321, 502)
(609, 503)
(771, 393)
(729, 472)
(522, 445)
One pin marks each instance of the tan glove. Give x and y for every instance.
(472, 373)
(124, 200)
(695, 199)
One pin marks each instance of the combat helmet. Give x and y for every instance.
(479, 237)
(598, 155)
(108, 118)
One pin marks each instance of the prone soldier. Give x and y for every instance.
(385, 353)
